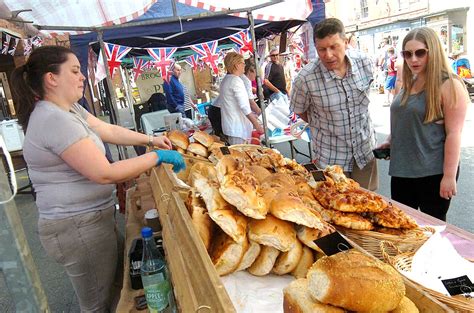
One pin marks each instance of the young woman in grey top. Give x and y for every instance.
(427, 118)
(73, 180)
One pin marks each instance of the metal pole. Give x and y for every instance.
(258, 78)
(114, 113)
(128, 91)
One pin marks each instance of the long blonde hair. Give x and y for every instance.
(437, 71)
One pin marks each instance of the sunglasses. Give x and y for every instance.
(273, 55)
(420, 53)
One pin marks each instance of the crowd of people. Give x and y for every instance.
(74, 182)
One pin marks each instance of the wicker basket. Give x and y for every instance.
(370, 240)
(402, 261)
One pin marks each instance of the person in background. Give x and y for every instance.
(189, 105)
(174, 91)
(426, 121)
(238, 120)
(332, 95)
(73, 180)
(274, 81)
(157, 102)
(391, 75)
(249, 76)
(121, 97)
(352, 42)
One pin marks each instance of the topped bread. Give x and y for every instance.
(178, 139)
(203, 138)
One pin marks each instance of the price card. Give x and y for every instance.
(333, 243)
(225, 150)
(317, 173)
(459, 285)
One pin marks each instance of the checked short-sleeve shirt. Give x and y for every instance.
(338, 111)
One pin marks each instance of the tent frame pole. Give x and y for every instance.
(258, 78)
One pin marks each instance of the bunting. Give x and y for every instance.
(163, 60)
(243, 41)
(6, 44)
(115, 54)
(139, 66)
(208, 53)
(193, 61)
(27, 46)
(13, 46)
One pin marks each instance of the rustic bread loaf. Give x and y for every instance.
(296, 299)
(309, 235)
(273, 232)
(289, 207)
(226, 253)
(264, 262)
(306, 260)
(356, 282)
(203, 138)
(405, 306)
(287, 261)
(178, 139)
(250, 256)
(197, 149)
(200, 217)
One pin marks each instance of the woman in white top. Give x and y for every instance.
(238, 120)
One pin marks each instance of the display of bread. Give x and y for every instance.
(203, 138)
(178, 139)
(250, 256)
(308, 235)
(264, 262)
(200, 217)
(226, 254)
(273, 232)
(287, 261)
(306, 261)
(355, 282)
(240, 188)
(197, 149)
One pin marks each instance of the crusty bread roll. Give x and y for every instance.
(356, 282)
(203, 138)
(264, 262)
(287, 261)
(306, 260)
(178, 139)
(273, 232)
(226, 253)
(259, 172)
(308, 235)
(289, 207)
(220, 211)
(250, 256)
(205, 169)
(405, 306)
(200, 217)
(296, 299)
(240, 188)
(197, 149)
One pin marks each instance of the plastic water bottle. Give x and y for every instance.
(154, 274)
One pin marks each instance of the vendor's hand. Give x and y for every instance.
(447, 188)
(162, 142)
(257, 111)
(259, 129)
(171, 157)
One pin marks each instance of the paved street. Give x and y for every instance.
(59, 290)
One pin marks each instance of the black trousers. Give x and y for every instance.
(214, 115)
(421, 193)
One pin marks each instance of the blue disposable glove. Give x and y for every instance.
(171, 157)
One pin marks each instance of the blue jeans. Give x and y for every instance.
(87, 246)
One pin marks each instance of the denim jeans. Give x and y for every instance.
(87, 246)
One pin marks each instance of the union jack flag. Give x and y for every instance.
(6, 44)
(27, 46)
(37, 41)
(243, 41)
(13, 47)
(193, 61)
(163, 60)
(115, 54)
(299, 47)
(139, 66)
(208, 53)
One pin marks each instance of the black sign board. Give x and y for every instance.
(317, 173)
(459, 285)
(333, 243)
(225, 150)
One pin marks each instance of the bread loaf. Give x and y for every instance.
(309, 235)
(406, 306)
(287, 261)
(178, 139)
(259, 172)
(264, 262)
(356, 282)
(200, 217)
(203, 138)
(197, 149)
(250, 256)
(226, 253)
(289, 207)
(296, 299)
(273, 232)
(306, 260)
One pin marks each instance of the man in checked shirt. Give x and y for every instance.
(332, 95)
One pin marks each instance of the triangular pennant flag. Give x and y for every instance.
(27, 46)
(6, 44)
(115, 54)
(12, 49)
(139, 66)
(100, 73)
(163, 60)
(243, 41)
(208, 53)
(37, 41)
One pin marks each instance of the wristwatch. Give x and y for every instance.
(150, 141)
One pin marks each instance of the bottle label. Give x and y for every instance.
(157, 295)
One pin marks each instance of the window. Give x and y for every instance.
(364, 9)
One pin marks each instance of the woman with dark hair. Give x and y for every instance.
(426, 121)
(73, 180)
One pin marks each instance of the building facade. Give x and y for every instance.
(376, 20)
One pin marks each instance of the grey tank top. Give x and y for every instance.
(417, 149)
(61, 191)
